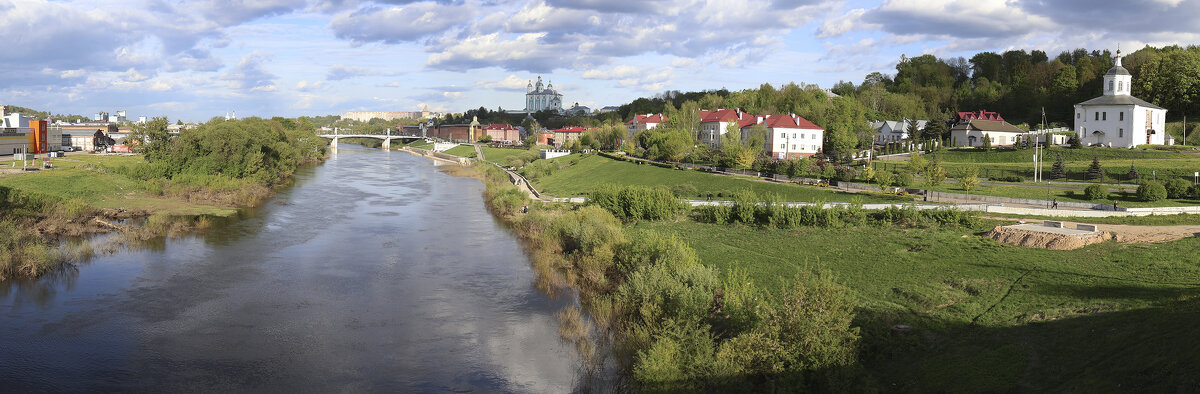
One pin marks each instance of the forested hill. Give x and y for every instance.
(1017, 84)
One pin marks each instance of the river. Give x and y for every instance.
(373, 272)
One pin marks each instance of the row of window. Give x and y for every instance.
(802, 136)
(1103, 115)
(810, 147)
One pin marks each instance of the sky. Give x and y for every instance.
(192, 60)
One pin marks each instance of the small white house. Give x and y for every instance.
(1118, 119)
(972, 133)
(892, 130)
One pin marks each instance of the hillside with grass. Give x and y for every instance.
(578, 175)
(986, 316)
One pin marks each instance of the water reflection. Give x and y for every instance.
(375, 272)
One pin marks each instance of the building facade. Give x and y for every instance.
(540, 98)
(972, 133)
(641, 123)
(1117, 119)
(791, 137)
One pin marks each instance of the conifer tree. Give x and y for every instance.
(1094, 170)
(1059, 170)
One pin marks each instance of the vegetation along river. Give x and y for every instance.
(374, 272)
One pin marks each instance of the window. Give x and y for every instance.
(1110, 85)
(1097, 116)
(793, 135)
(1122, 116)
(793, 147)
(782, 135)
(1120, 85)
(1105, 117)
(1077, 115)
(1121, 133)
(782, 146)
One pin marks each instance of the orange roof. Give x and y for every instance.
(722, 115)
(500, 126)
(572, 129)
(789, 121)
(647, 118)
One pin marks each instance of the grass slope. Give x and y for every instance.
(462, 151)
(497, 155)
(592, 171)
(989, 316)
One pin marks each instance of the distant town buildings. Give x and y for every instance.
(424, 113)
(1117, 119)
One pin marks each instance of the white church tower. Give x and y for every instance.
(1117, 119)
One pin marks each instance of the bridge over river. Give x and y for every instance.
(387, 138)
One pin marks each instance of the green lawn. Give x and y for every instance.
(420, 144)
(1016, 190)
(987, 316)
(497, 155)
(462, 151)
(595, 170)
(103, 189)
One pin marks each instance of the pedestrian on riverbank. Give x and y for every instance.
(1054, 204)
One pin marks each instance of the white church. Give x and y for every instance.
(1118, 119)
(538, 97)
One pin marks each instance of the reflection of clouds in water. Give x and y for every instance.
(531, 356)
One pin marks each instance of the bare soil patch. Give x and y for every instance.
(1046, 240)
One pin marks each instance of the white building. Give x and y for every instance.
(790, 136)
(1118, 119)
(713, 124)
(972, 133)
(641, 123)
(893, 130)
(538, 97)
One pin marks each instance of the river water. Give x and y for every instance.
(374, 272)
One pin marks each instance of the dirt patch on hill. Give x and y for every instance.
(1142, 234)
(1044, 240)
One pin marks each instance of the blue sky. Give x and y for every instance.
(192, 60)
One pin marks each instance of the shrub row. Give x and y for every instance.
(631, 203)
(749, 208)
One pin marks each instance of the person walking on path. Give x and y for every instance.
(1054, 205)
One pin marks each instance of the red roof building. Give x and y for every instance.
(503, 132)
(714, 123)
(790, 136)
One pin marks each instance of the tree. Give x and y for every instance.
(1058, 170)
(1095, 171)
(868, 173)
(917, 163)
(1132, 174)
(987, 142)
(935, 129)
(934, 174)
(152, 138)
(968, 179)
(885, 178)
(1075, 142)
(913, 132)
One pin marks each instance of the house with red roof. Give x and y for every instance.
(567, 134)
(790, 136)
(714, 123)
(641, 123)
(502, 132)
(978, 115)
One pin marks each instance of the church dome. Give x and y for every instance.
(1117, 70)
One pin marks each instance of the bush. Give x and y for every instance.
(903, 179)
(1009, 178)
(631, 203)
(845, 174)
(684, 190)
(1095, 192)
(1151, 191)
(1176, 188)
(1195, 191)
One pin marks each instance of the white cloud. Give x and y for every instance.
(305, 86)
(618, 72)
(511, 82)
(340, 72)
(398, 24)
(250, 75)
(838, 26)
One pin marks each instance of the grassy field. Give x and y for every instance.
(103, 189)
(594, 170)
(420, 144)
(497, 155)
(1016, 190)
(462, 151)
(986, 316)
